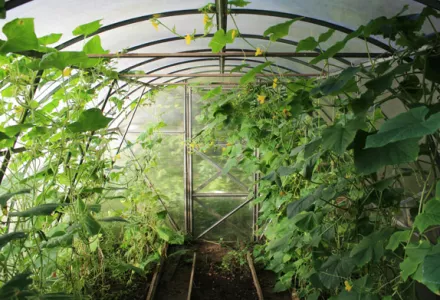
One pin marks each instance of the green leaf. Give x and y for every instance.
(239, 3)
(113, 219)
(370, 248)
(407, 125)
(334, 269)
(429, 217)
(325, 36)
(305, 221)
(93, 46)
(304, 203)
(239, 68)
(397, 238)
(50, 39)
(280, 30)
(21, 36)
(338, 137)
(16, 287)
(92, 226)
(61, 60)
(6, 238)
(437, 190)
(16, 129)
(366, 100)
(40, 210)
(309, 148)
(129, 267)
(286, 171)
(371, 160)
(337, 47)
(212, 93)
(334, 85)
(170, 235)
(431, 268)
(5, 197)
(89, 120)
(415, 253)
(87, 29)
(250, 76)
(307, 44)
(220, 39)
(384, 82)
(63, 241)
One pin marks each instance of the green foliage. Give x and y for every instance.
(89, 120)
(220, 39)
(280, 30)
(250, 76)
(20, 35)
(50, 39)
(88, 28)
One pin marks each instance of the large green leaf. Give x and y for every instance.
(407, 125)
(6, 238)
(415, 253)
(338, 137)
(50, 39)
(305, 221)
(15, 129)
(370, 249)
(250, 76)
(397, 238)
(170, 235)
(89, 120)
(61, 60)
(304, 203)
(93, 46)
(334, 269)
(21, 36)
(92, 226)
(64, 241)
(17, 287)
(431, 268)
(371, 160)
(309, 148)
(280, 30)
(87, 29)
(429, 217)
(40, 210)
(220, 39)
(334, 85)
(337, 47)
(326, 35)
(5, 197)
(307, 44)
(384, 82)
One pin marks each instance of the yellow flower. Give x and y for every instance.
(261, 99)
(228, 144)
(188, 39)
(223, 149)
(118, 156)
(234, 33)
(258, 52)
(67, 71)
(274, 85)
(156, 16)
(205, 19)
(348, 286)
(155, 24)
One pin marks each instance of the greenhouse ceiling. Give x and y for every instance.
(127, 28)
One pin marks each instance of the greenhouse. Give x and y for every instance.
(222, 149)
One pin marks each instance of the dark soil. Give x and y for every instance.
(211, 281)
(175, 275)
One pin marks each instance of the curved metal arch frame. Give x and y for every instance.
(268, 13)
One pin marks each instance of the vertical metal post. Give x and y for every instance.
(188, 162)
(256, 207)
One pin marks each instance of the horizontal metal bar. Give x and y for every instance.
(176, 75)
(219, 195)
(237, 54)
(225, 217)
